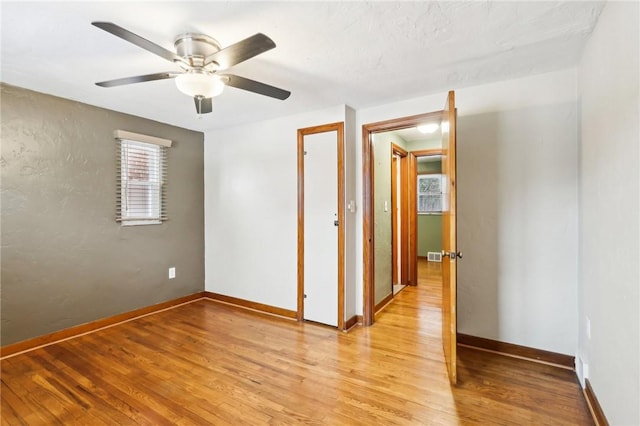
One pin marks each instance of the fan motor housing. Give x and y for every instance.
(196, 47)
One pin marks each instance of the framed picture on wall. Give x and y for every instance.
(430, 194)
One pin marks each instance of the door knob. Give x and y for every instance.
(452, 254)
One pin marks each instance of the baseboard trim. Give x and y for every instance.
(254, 306)
(352, 322)
(594, 406)
(383, 303)
(517, 351)
(79, 330)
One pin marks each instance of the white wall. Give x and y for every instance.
(518, 280)
(419, 145)
(528, 129)
(517, 226)
(609, 213)
(520, 289)
(350, 260)
(251, 208)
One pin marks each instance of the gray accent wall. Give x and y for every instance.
(65, 261)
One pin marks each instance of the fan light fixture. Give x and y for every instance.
(197, 84)
(428, 128)
(200, 57)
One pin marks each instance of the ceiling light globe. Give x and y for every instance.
(196, 84)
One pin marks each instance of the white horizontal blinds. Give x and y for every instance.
(141, 182)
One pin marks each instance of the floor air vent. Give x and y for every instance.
(434, 256)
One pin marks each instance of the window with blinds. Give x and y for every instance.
(141, 179)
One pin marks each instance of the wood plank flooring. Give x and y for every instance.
(209, 363)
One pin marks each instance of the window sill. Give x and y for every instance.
(140, 222)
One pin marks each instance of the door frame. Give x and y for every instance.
(339, 129)
(400, 200)
(368, 243)
(413, 201)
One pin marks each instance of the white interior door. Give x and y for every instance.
(320, 230)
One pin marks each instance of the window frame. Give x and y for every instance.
(133, 143)
(438, 195)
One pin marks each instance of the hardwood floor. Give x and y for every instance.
(209, 363)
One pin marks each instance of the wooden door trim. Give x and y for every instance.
(402, 239)
(396, 149)
(395, 238)
(339, 129)
(368, 255)
(427, 152)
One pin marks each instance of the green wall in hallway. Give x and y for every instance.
(429, 225)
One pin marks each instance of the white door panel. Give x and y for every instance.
(320, 232)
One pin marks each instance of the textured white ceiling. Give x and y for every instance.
(328, 53)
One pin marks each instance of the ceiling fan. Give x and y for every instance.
(201, 59)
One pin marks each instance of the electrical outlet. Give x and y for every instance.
(172, 273)
(588, 328)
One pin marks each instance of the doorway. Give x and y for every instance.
(399, 215)
(446, 120)
(379, 254)
(429, 210)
